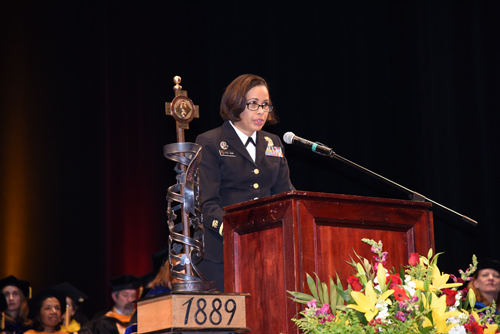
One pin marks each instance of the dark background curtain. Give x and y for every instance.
(408, 89)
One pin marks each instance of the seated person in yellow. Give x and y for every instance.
(45, 311)
(74, 297)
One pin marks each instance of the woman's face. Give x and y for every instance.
(487, 281)
(252, 121)
(13, 297)
(50, 313)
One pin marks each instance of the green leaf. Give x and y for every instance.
(300, 295)
(435, 259)
(326, 294)
(340, 299)
(429, 255)
(299, 300)
(312, 286)
(339, 282)
(465, 305)
(425, 330)
(345, 295)
(362, 274)
(320, 290)
(426, 286)
(333, 296)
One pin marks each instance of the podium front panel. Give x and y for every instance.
(270, 243)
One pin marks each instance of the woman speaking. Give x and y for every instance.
(240, 162)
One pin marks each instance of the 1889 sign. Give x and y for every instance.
(214, 313)
(203, 310)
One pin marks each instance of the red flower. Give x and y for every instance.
(400, 293)
(457, 279)
(450, 296)
(414, 259)
(474, 328)
(354, 282)
(464, 294)
(393, 280)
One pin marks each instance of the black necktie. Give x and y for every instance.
(250, 140)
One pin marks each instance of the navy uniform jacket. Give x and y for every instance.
(228, 175)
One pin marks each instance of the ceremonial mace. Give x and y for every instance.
(185, 252)
(195, 305)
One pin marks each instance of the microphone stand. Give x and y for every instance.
(413, 194)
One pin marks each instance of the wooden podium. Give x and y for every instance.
(270, 243)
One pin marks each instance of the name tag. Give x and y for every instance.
(224, 153)
(274, 151)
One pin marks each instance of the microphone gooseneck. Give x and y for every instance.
(291, 138)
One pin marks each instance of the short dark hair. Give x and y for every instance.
(234, 100)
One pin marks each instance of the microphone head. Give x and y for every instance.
(288, 137)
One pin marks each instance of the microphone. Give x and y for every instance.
(291, 138)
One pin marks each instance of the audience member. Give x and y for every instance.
(45, 311)
(16, 293)
(124, 293)
(486, 283)
(72, 318)
(162, 282)
(161, 268)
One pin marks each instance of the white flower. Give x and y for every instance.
(457, 330)
(458, 298)
(410, 286)
(463, 317)
(383, 310)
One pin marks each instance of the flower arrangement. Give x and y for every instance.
(417, 299)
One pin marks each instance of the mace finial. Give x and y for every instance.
(177, 81)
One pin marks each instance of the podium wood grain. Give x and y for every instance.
(270, 243)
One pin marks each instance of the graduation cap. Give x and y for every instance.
(35, 303)
(159, 259)
(488, 264)
(124, 282)
(24, 286)
(70, 291)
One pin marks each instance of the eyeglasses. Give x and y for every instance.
(254, 106)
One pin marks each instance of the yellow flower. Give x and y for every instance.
(438, 281)
(490, 329)
(439, 314)
(365, 303)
